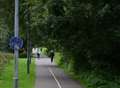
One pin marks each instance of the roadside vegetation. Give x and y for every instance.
(89, 78)
(86, 33)
(5, 58)
(7, 72)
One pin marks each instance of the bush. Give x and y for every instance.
(1, 59)
(59, 58)
(23, 55)
(4, 59)
(94, 80)
(89, 78)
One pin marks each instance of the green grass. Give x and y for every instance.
(57, 58)
(25, 81)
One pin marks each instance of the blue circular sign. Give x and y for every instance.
(16, 41)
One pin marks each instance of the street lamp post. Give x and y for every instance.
(16, 49)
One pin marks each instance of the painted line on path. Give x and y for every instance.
(58, 83)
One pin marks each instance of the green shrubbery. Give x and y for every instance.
(86, 30)
(91, 78)
(95, 80)
(4, 59)
(23, 55)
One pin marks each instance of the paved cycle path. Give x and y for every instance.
(48, 75)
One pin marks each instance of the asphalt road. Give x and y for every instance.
(48, 75)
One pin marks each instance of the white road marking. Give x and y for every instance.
(58, 83)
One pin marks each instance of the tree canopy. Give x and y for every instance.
(87, 30)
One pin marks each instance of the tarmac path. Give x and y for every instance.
(48, 75)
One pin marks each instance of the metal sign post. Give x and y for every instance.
(16, 49)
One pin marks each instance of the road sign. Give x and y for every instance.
(16, 41)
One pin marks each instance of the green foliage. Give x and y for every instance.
(5, 58)
(89, 79)
(6, 23)
(93, 80)
(87, 32)
(7, 76)
(59, 59)
(23, 55)
(55, 7)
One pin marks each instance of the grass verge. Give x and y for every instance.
(25, 81)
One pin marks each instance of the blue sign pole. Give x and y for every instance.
(16, 49)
